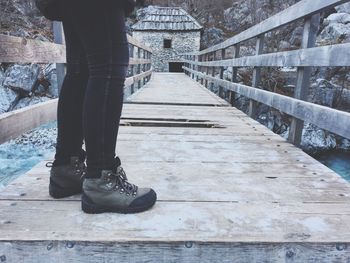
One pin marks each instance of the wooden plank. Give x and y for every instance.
(295, 12)
(301, 90)
(325, 56)
(137, 61)
(133, 79)
(16, 122)
(326, 118)
(256, 79)
(165, 89)
(22, 50)
(185, 251)
(239, 182)
(177, 222)
(134, 42)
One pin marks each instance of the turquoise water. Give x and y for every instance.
(337, 161)
(20, 155)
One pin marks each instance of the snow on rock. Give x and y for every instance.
(344, 144)
(344, 8)
(337, 29)
(316, 140)
(21, 78)
(343, 18)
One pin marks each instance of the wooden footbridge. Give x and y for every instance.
(230, 190)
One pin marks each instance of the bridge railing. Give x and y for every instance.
(199, 64)
(21, 50)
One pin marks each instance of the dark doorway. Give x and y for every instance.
(176, 67)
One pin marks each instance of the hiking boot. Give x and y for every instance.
(66, 179)
(113, 193)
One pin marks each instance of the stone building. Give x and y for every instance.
(169, 31)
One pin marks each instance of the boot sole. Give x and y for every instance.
(58, 192)
(89, 207)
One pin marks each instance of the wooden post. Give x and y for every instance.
(196, 66)
(132, 87)
(201, 68)
(207, 69)
(232, 94)
(144, 55)
(193, 58)
(311, 27)
(213, 70)
(60, 67)
(222, 69)
(256, 75)
(139, 67)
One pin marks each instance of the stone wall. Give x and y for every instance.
(181, 42)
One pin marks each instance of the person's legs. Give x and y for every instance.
(71, 98)
(68, 169)
(101, 29)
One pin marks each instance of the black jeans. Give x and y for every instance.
(91, 97)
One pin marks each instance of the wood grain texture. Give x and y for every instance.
(325, 56)
(174, 252)
(234, 194)
(17, 122)
(22, 50)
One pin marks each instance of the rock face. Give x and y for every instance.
(21, 78)
(336, 29)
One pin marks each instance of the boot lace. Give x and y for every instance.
(79, 168)
(119, 182)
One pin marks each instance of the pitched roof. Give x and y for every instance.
(167, 19)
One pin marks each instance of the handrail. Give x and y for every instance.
(199, 64)
(21, 50)
(302, 9)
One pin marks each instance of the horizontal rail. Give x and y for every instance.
(133, 79)
(326, 56)
(135, 43)
(17, 122)
(21, 50)
(326, 118)
(139, 61)
(302, 9)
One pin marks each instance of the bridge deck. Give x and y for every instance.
(229, 189)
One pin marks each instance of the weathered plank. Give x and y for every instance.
(194, 181)
(16, 122)
(178, 222)
(182, 251)
(324, 117)
(325, 56)
(240, 193)
(22, 50)
(169, 88)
